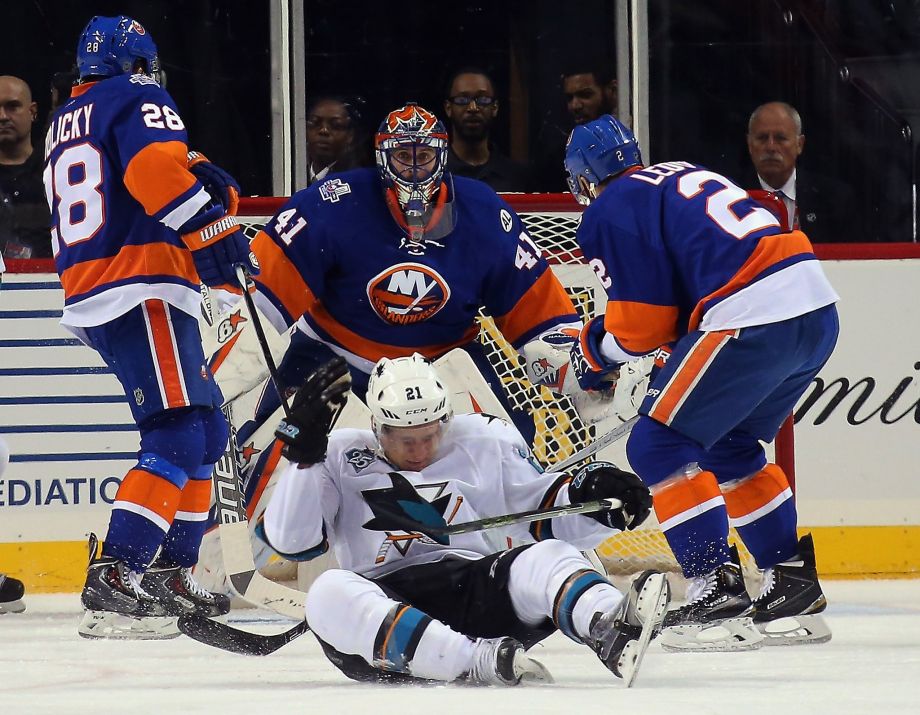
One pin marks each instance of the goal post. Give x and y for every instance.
(551, 220)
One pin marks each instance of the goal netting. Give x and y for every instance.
(551, 221)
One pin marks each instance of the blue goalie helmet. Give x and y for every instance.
(111, 46)
(596, 151)
(411, 149)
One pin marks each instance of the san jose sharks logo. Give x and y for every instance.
(407, 293)
(403, 513)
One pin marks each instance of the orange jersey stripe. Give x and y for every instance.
(281, 277)
(770, 251)
(196, 496)
(641, 327)
(164, 348)
(687, 375)
(372, 350)
(150, 492)
(684, 494)
(543, 301)
(158, 174)
(755, 493)
(151, 259)
(270, 466)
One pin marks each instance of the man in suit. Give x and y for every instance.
(815, 204)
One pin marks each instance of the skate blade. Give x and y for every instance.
(732, 634)
(100, 625)
(651, 607)
(795, 630)
(530, 670)
(16, 606)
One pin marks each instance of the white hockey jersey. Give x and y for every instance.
(483, 469)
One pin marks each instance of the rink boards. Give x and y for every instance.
(71, 435)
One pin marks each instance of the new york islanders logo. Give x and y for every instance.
(407, 293)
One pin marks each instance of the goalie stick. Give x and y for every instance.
(233, 527)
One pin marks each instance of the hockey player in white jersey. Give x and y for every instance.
(409, 604)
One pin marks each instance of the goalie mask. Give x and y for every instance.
(596, 151)
(411, 150)
(112, 46)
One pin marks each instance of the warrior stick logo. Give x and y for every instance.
(407, 293)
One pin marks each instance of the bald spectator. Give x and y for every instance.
(471, 107)
(816, 204)
(24, 218)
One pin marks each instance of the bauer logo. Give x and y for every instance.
(407, 293)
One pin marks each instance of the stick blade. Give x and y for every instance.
(226, 637)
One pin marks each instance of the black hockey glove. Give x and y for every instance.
(602, 480)
(317, 403)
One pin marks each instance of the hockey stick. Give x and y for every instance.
(233, 528)
(612, 436)
(244, 280)
(226, 637)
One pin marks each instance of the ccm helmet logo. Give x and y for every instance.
(417, 411)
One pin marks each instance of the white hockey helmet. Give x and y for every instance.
(407, 392)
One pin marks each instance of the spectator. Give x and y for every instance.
(471, 108)
(331, 138)
(815, 204)
(24, 215)
(590, 91)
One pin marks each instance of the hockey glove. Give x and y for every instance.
(218, 245)
(602, 480)
(305, 432)
(592, 370)
(218, 183)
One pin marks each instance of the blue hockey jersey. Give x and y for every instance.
(680, 248)
(334, 257)
(118, 186)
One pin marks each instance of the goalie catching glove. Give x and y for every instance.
(305, 432)
(603, 480)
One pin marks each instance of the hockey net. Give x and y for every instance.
(551, 221)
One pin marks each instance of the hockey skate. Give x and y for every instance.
(717, 615)
(621, 637)
(11, 592)
(116, 606)
(503, 661)
(790, 600)
(180, 594)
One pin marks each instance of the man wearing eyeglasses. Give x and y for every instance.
(471, 108)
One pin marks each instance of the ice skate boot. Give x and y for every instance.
(503, 661)
(11, 593)
(621, 637)
(786, 611)
(717, 615)
(116, 606)
(176, 589)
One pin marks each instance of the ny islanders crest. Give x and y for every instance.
(407, 293)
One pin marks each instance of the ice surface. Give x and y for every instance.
(872, 665)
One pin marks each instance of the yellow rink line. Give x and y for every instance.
(842, 552)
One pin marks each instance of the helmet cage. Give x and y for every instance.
(415, 187)
(112, 46)
(597, 151)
